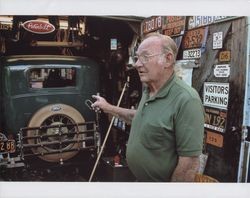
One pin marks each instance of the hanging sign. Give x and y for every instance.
(224, 56)
(193, 38)
(214, 139)
(221, 71)
(38, 27)
(215, 119)
(151, 24)
(174, 25)
(192, 53)
(217, 40)
(216, 95)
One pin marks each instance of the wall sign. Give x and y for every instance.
(193, 38)
(222, 71)
(198, 21)
(216, 95)
(224, 56)
(192, 53)
(215, 119)
(38, 27)
(217, 40)
(214, 139)
(174, 25)
(151, 24)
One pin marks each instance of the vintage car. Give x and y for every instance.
(43, 106)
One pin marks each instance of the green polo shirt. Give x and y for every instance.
(167, 125)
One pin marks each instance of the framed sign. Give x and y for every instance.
(174, 25)
(151, 24)
(193, 38)
(215, 119)
(216, 95)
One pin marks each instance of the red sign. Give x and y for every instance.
(38, 27)
(174, 25)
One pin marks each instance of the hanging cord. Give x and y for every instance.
(108, 131)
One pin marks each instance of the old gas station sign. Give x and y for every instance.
(224, 56)
(193, 38)
(38, 27)
(174, 25)
(215, 119)
(151, 24)
(216, 94)
(214, 139)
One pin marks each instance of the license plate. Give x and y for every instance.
(191, 54)
(7, 146)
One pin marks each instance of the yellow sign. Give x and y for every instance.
(225, 56)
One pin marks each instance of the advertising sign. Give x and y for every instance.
(222, 71)
(216, 95)
(215, 119)
(38, 27)
(174, 25)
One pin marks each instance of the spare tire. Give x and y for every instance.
(51, 115)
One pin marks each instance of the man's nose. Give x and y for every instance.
(138, 63)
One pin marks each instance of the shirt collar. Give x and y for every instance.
(164, 89)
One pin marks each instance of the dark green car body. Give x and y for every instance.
(19, 101)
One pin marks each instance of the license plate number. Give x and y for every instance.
(7, 146)
(191, 54)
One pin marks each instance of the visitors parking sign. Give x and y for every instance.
(216, 94)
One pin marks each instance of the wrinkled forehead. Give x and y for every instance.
(149, 46)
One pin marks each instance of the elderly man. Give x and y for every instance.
(167, 128)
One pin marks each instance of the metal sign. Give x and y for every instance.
(215, 119)
(174, 25)
(221, 71)
(217, 40)
(216, 95)
(214, 139)
(198, 21)
(38, 27)
(224, 56)
(193, 38)
(192, 54)
(151, 24)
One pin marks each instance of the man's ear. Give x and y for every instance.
(169, 59)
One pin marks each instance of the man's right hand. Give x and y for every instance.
(101, 103)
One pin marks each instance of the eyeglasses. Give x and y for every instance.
(144, 58)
